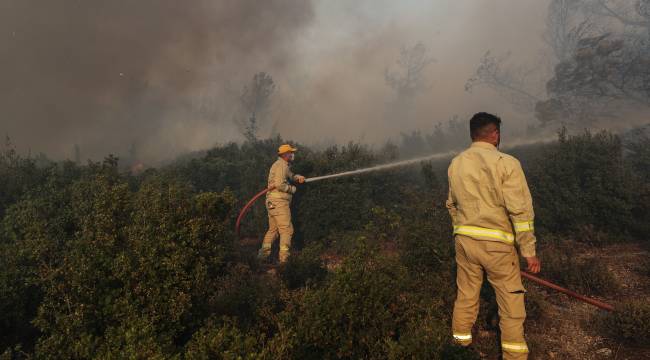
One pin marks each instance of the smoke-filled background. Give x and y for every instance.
(156, 78)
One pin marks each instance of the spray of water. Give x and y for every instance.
(418, 160)
(444, 155)
(383, 167)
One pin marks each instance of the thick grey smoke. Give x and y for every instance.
(339, 91)
(110, 74)
(164, 76)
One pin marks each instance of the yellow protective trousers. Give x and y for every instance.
(279, 223)
(501, 263)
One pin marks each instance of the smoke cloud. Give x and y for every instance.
(163, 77)
(151, 73)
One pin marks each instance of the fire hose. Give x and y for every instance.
(533, 278)
(247, 207)
(594, 302)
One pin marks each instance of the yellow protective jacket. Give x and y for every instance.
(489, 198)
(279, 176)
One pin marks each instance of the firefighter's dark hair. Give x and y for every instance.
(478, 124)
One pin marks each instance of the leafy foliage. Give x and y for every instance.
(630, 323)
(581, 181)
(95, 262)
(368, 309)
(563, 264)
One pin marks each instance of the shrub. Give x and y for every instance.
(630, 322)
(98, 263)
(581, 180)
(304, 268)
(367, 310)
(425, 243)
(119, 270)
(561, 263)
(222, 340)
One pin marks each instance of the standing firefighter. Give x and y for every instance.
(278, 202)
(491, 210)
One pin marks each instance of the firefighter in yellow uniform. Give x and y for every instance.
(278, 202)
(491, 210)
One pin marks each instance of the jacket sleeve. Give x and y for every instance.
(451, 207)
(451, 203)
(519, 204)
(280, 180)
(291, 175)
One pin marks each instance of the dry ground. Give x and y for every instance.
(564, 330)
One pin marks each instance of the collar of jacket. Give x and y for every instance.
(281, 158)
(483, 145)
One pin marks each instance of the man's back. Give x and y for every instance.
(488, 194)
(491, 210)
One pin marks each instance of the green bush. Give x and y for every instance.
(581, 181)
(119, 270)
(98, 263)
(426, 242)
(630, 323)
(561, 262)
(18, 175)
(223, 340)
(368, 309)
(305, 268)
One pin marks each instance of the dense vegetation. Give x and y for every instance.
(98, 262)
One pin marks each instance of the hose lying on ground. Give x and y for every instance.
(528, 276)
(573, 294)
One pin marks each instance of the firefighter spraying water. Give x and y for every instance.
(278, 203)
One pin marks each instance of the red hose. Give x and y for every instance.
(245, 209)
(528, 276)
(582, 298)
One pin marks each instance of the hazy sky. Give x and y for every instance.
(166, 75)
(338, 81)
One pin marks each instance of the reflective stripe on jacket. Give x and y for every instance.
(489, 198)
(279, 176)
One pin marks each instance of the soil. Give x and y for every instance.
(565, 329)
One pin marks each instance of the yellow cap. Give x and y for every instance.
(285, 148)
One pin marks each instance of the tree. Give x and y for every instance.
(77, 154)
(606, 72)
(634, 15)
(512, 83)
(522, 86)
(600, 67)
(566, 25)
(255, 102)
(409, 80)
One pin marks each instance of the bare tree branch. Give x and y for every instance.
(408, 80)
(511, 83)
(607, 10)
